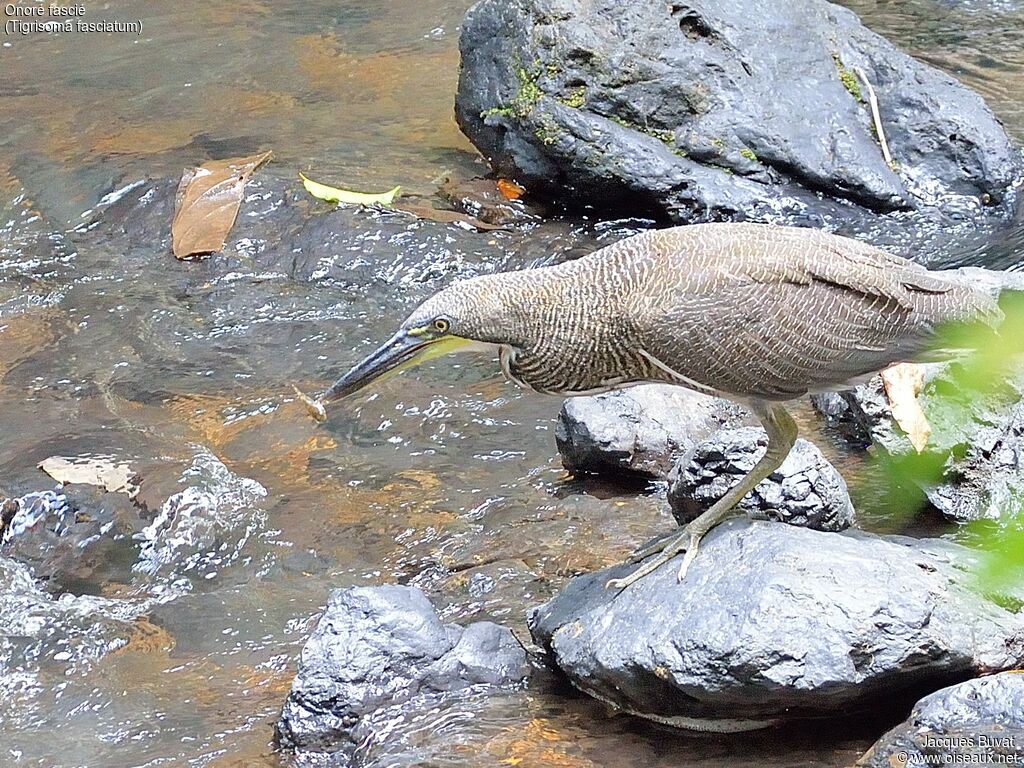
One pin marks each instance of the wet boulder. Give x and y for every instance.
(379, 653)
(806, 490)
(686, 110)
(776, 623)
(638, 431)
(74, 539)
(979, 722)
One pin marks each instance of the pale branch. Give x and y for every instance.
(876, 116)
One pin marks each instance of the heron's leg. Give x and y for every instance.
(782, 431)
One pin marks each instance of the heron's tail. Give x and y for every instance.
(993, 282)
(990, 323)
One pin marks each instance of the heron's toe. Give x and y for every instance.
(691, 553)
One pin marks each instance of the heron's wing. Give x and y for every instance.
(770, 254)
(761, 317)
(779, 340)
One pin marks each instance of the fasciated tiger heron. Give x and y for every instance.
(758, 314)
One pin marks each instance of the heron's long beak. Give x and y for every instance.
(389, 357)
(401, 351)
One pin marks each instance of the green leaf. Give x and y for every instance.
(990, 365)
(337, 195)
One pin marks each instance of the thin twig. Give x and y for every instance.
(873, 103)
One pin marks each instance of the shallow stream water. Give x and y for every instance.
(183, 654)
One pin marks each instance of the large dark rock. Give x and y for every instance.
(704, 109)
(805, 490)
(979, 722)
(377, 650)
(776, 623)
(640, 430)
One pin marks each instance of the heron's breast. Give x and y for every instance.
(584, 368)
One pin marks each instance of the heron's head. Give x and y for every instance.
(472, 314)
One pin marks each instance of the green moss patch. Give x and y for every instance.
(527, 95)
(848, 78)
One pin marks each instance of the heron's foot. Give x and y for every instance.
(656, 546)
(781, 430)
(666, 549)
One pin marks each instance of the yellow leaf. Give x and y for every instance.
(902, 382)
(336, 195)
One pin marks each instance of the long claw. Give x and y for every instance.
(667, 549)
(638, 574)
(691, 552)
(651, 549)
(687, 542)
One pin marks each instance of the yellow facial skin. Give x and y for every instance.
(436, 348)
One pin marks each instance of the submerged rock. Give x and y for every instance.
(776, 623)
(74, 539)
(201, 529)
(640, 430)
(47, 640)
(377, 650)
(683, 109)
(979, 722)
(482, 199)
(806, 490)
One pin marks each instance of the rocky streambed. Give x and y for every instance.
(677, 112)
(421, 580)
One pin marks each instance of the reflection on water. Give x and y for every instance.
(249, 513)
(359, 90)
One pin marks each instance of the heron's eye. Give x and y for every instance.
(441, 325)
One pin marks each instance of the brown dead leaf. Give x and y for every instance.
(428, 212)
(91, 470)
(510, 190)
(902, 384)
(207, 202)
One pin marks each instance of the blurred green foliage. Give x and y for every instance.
(988, 363)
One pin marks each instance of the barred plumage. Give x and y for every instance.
(754, 312)
(742, 310)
